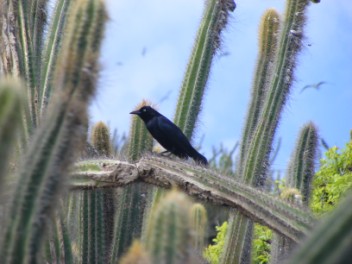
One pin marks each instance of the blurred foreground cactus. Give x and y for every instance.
(46, 82)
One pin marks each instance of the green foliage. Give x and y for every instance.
(332, 180)
(213, 252)
(261, 244)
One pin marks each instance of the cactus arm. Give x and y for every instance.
(288, 220)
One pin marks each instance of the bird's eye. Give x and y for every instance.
(144, 110)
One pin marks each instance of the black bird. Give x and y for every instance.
(168, 134)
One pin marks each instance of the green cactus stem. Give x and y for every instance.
(169, 240)
(208, 41)
(331, 240)
(12, 102)
(101, 139)
(198, 223)
(268, 41)
(288, 220)
(136, 254)
(301, 169)
(132, 199)
(50, 52)
(43, 171)
(257, 160)
(140, 139)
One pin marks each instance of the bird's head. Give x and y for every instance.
(145, 113)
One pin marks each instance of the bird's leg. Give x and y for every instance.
(166, 153)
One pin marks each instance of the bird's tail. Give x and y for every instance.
(198, 157)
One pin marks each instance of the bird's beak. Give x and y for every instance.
(135, 112)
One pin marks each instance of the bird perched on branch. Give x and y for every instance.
(168, 134)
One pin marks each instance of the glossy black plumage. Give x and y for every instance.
(168, 134)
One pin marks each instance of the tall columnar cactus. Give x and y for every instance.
(140, 140)
(51, 151)
(208, 41)
(198, 222)
(254, 166)
(101, 139)
(132, 199)
(169, 239)
(299, 178)
(301, 168)
(268, 41)
(50, 51)
(11, 105)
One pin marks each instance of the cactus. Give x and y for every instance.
(169, 240)
(136, 254)
(43, 171)
(207, 43)
(101, 139)
(11, 104)
(140, 139)
(268, 41)
(84, 227)
(331, 240)
(132, 199)
(291, 221)
(301, 168)
(50, 52)
(299, 178)
(255, 165)
(198, 222)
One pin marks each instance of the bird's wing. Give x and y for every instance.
(170, 136)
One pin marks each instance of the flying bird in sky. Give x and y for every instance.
(314, 86)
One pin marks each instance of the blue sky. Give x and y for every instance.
(146, 49)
